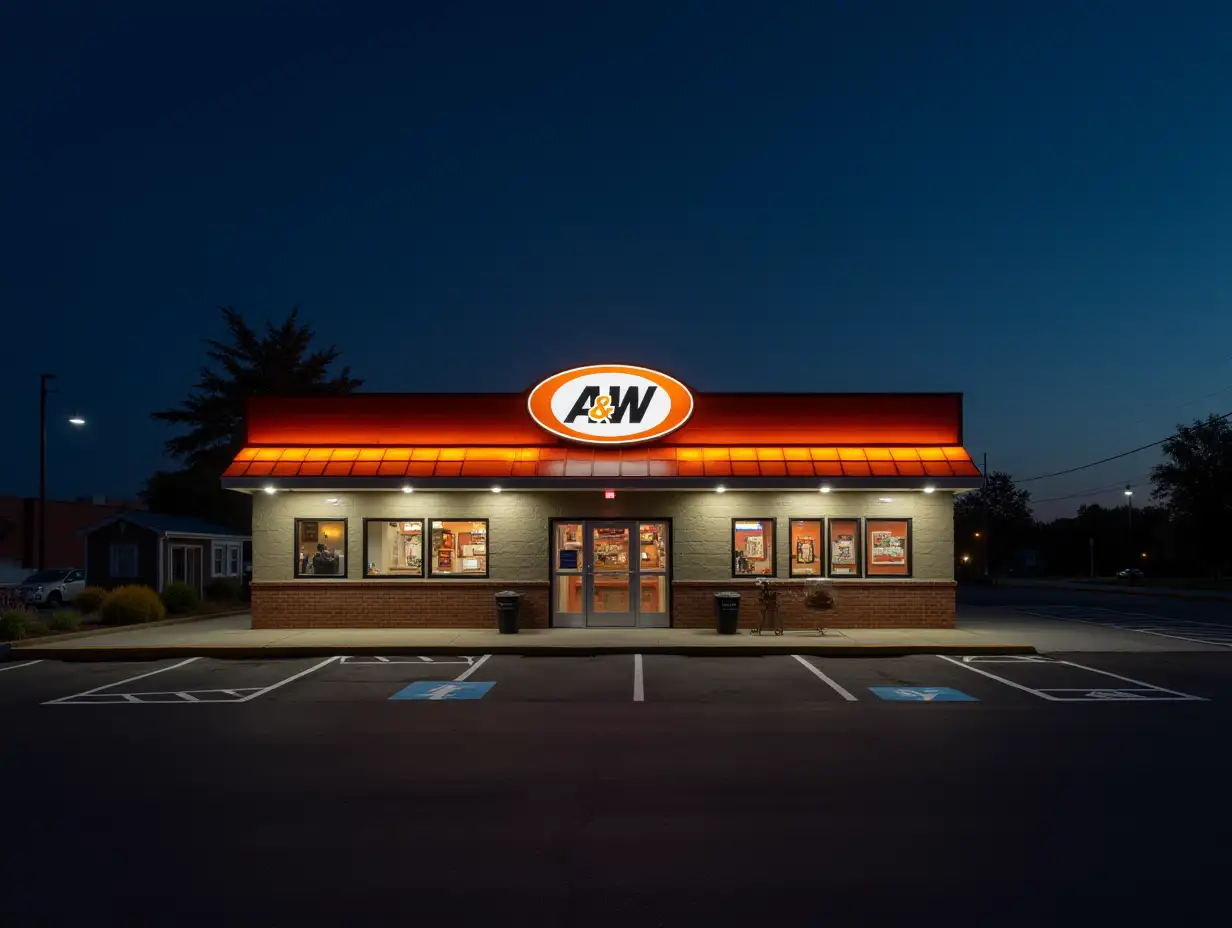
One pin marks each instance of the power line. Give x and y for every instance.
(1115, 457)
(1094, 491)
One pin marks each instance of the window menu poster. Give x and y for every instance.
(807, 550)
(888, 547)
(844, 547)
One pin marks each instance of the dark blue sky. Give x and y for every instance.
(1031, 206)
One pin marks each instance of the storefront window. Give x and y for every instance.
(844, 547)
(568, 557)
(888, 543)
(752, 547)
(320, 547)
(652, 562)
(805, 548)
(393, 548)
(459, 548)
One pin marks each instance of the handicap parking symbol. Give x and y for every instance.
(437, 690)
(921, 694)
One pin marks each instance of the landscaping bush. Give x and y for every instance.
(35, 627)
(129, 605)
(65, 620)
(89, 600)
(181, 598)
(222, 590)
(13, 625)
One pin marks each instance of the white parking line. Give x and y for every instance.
(1097, 693)
(65, 700)
(18, 666)
(470, 670)
(639, 680)
(831, 683)
(1171, 625)
(302, 673)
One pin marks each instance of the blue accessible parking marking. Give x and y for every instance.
(436, 690)
(921, 694)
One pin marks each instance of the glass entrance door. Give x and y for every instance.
(610, 574)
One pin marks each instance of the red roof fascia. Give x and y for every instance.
(502, 419)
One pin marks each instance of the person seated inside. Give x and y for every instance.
(324, 561)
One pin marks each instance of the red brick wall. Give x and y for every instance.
(470, 604)
(860, 604)
(391, 603)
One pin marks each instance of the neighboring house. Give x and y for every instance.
(19, 525)
(154, 549)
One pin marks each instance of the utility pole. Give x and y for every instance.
(984, 500)
(1129, 500)
(42, 516)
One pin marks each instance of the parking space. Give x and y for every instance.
(606, 678)
(30, 683)
(916, 675)
(1055, 679)
(359, 679)
(1193, 631)
(770, 680)
(773, 680)
(192, 681)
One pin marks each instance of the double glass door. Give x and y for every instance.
(610, 574)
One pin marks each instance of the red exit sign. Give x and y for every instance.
(609, 494)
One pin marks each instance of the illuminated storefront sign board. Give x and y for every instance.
(611, 404)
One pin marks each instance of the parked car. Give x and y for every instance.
(54, 587)
(1130, 573)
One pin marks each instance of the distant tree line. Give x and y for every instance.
(1183, 532)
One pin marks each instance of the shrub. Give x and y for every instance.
(13, 625)
(35, 627)
(89, 600)
(65, 620)
(222, 590)
(180, 597)
(129, 605)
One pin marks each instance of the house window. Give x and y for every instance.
(459, 548)
(122, 560)
(227, 559)
(320, 547)
(752, 547)
(393, 548)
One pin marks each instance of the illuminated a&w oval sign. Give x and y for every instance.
(611, 404)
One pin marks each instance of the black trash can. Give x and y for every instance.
(508, 603)
(727, 612)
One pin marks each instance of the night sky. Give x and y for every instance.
(1031, 206)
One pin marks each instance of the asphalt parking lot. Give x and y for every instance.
(618, 789)
(769, 681)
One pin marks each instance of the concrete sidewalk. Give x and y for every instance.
(234, 637)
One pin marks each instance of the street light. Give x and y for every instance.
(1129, 502)
(75, 420)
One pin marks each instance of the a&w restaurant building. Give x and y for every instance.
(609, 496)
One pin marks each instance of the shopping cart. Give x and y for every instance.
(769, 619)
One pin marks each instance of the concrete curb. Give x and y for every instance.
(276, 652)
(1126, 591)
(114, 630)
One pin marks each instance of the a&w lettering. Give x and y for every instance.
(594, 406)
